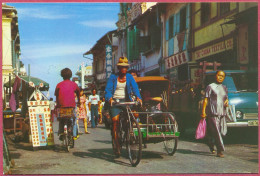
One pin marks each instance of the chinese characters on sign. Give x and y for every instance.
(40, 121)
(176, 60)
(108, 60)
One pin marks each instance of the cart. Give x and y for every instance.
(156, 123)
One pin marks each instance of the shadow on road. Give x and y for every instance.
(104, 142)
(104, 154)
(234, 136)
(187, 151)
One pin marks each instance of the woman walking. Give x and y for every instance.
(82, 110)
(216, 101)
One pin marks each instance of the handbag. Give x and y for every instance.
(201, 129)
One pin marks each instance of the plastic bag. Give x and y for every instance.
(201, 129)
(223, 126)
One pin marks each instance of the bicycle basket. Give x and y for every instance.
(65, 112)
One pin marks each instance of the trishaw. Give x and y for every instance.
(151, 123)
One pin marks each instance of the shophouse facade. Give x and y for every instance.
(10, 44)
(99, 65)
(176, 42)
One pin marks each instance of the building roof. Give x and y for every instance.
(98, 42)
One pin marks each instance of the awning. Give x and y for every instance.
(35, 80)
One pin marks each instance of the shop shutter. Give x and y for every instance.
(187, 16)
(167, 30)
(171, 47)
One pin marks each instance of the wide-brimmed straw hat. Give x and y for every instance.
(123, 61)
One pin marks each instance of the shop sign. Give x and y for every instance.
(176, 60)
(40, 120)
(108, 61)
(214, 49)
(243, 45)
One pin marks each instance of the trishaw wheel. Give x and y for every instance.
(170, 143)
(134, 143)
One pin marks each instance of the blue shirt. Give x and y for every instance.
(131, 87)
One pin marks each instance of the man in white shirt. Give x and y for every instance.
(94, 100)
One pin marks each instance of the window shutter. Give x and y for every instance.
(184, 42)
(178, 22)
(167, 30)
(171, 47)
(187, 16)
(136, 43)
(174, 25)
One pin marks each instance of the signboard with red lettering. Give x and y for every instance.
(176, 60)
(213, 49)
(40, 120)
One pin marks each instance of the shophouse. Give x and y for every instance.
(139, 36)
(176, 42)
(10, 44)
(102, 60)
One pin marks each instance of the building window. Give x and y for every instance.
(205, 12)
(183, 19)
(224, 8)
(171, 22)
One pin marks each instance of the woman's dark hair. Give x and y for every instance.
(66, 73)
(219, 71)
(94, 89)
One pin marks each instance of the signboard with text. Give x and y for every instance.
(213, 49)
(40, 120)
(176, 60)
(108, 60)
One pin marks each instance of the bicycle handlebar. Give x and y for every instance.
(126, 103)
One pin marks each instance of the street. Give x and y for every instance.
(93, 155)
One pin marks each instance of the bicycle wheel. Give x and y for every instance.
(134, 142)
(66, 142)
(170, 143)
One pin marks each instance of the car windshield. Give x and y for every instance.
(242, 81)
(245, 81)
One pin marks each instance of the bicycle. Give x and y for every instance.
(129, 134)
(66, 114)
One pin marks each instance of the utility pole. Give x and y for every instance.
(82, 75)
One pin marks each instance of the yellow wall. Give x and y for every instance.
(213, 10)
(196, 17)
(6, 42)
(212, 32)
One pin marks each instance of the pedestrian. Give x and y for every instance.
(101, 105)
(65, 97)
(82, 110)
(216, 101)
(52, 108)
(120, 86)
(88, 110)
(93, 101)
